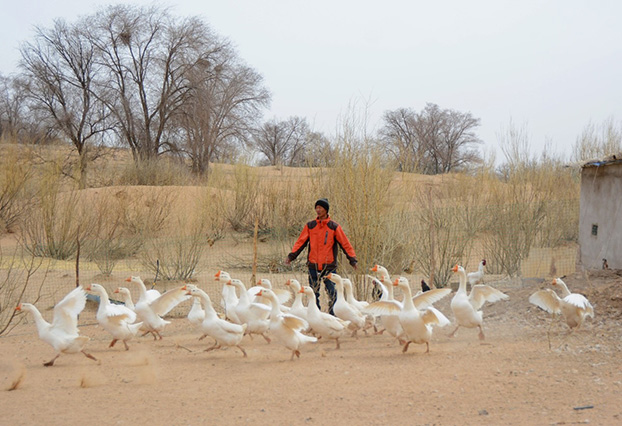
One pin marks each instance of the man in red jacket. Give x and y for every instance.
(323, 236)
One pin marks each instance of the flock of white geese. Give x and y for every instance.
(262, 310)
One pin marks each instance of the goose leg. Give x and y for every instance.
(405, 348)
(266, 337)
(127, 348)
(211, 348)
(51, 362)
(243, 351)
(427, 351)
(88, 355)
(481, 333)
(112, 343)
(203, 337)
(157, 333)
(453, 333)
(338, 345)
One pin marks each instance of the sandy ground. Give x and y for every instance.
(529, 370)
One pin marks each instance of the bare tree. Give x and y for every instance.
(18, 121)
(150, 58)
(399, 134)
(431, 141)
(225, 103)
(283, 142)
(60, 68)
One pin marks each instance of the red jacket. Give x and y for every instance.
(321, 236)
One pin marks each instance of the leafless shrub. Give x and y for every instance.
(160, 171)
(56, 222)
(15, 195)
(16, 276)
(597, 141)
(179, 252)
(238, 197)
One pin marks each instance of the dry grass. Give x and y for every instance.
(413, 224)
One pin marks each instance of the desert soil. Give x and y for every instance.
(529, 370)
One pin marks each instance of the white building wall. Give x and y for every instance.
(601, 206)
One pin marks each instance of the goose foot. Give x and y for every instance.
(89, 356)
(51, 362)
(211, 348)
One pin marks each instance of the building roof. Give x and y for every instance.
(608, 160)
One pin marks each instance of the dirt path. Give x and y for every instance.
(510, 378)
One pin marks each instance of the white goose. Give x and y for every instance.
(150, 294)
(360, 305)
(283, 296)
(285, 327)
(574, 306)
(150, 312)
(467, 307)
(477, 277)
(417, 315)
(126, 297)
(298, 308)
(391, 323)
(224, 333)
(117, 320)
(325, 325)
(62, 334)
(254, 315)
(229, 299)
(343, 309)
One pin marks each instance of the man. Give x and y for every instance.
(324, 236)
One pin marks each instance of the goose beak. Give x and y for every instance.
(89, 288)
(455, 268)
(374, 269)
(18, 307)
(116, 290)
(396, 282)
(184, 288)
(554, 281)
(302, 290)
(188, 293)
(128, 280)
(329, 276)
(260, 293)
(229, 282)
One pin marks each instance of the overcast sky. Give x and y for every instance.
(551, 66)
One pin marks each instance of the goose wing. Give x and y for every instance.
(581, 302)
(428, 298)
(546, 299)
(294, 322)
(483, 293)
(66, 311)
(167, 301)
(389, 307)
(433, 316)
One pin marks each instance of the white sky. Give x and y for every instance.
(551, 66)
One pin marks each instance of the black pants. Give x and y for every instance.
(315, 280)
